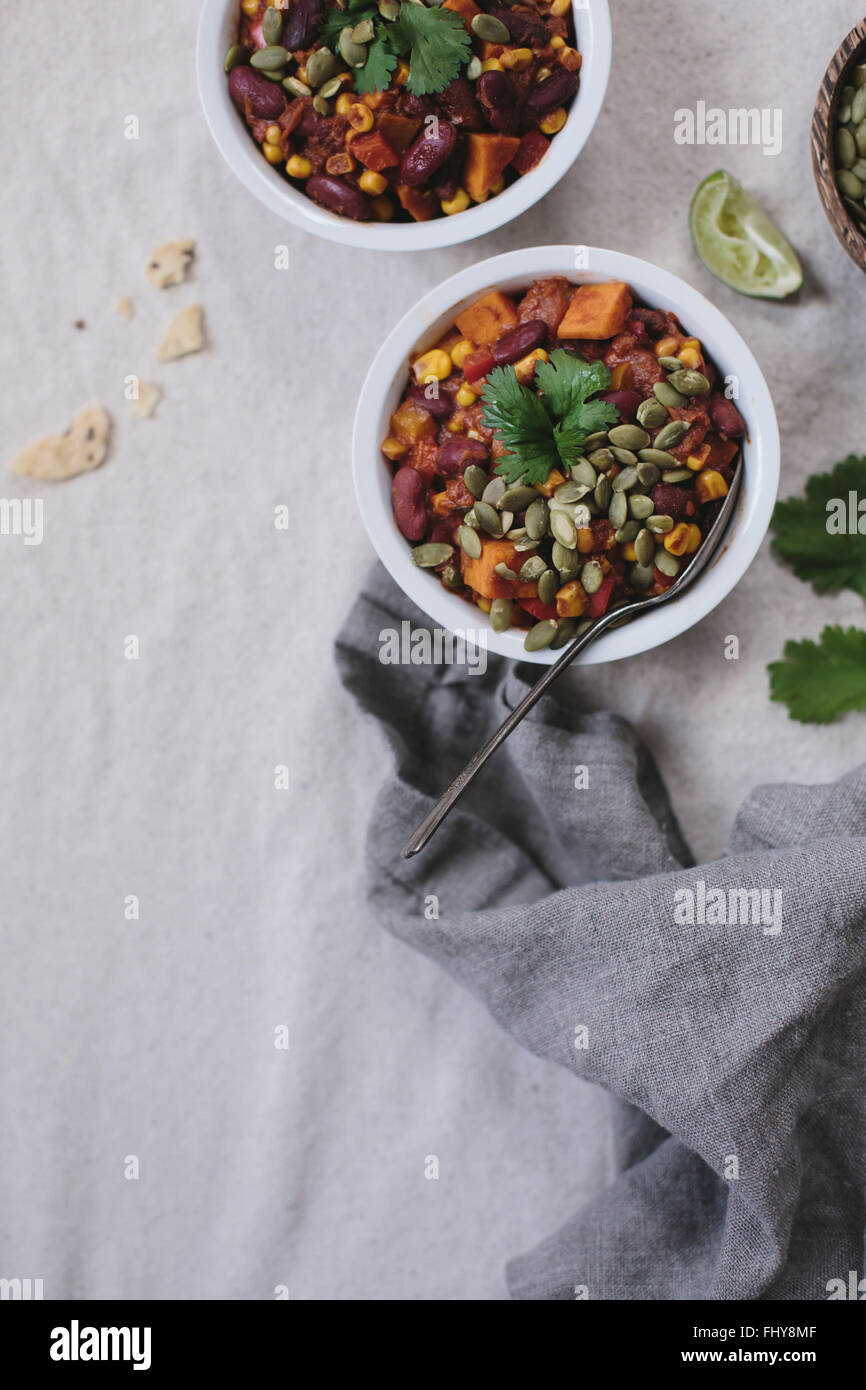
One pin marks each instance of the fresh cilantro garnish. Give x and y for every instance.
(540, 433)
(817, 540)
(438, 43)
(818, 681)
(375, 75)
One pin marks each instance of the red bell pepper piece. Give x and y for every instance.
(597, 603)
(478, 364)
(538, 609)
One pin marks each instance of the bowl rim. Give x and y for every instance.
(425, 320)
(823, 153)
(592, 21)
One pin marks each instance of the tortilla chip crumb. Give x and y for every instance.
(185, 334)
(149, 397)
(125, 308)
(82, 447)
(169, 263)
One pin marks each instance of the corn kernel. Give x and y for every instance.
(570, 599)
(677, 540)
(383, 209)
(560, 7)
(694, 539)
(373, 183)
(273, 135)
(484, 604)
(710, 485)
(461, 351)
(697, 461)
(553, 121)
(250, 6)
(492, 65)
(272, 153)
(459, 203)
(394, 448)
(497, 185)
(628, 552)
(690, 357)
(570, 58)
(341, 163)
(454, 425)
(584, 540)
(301, 73)
(465, 397)
(692, 343)
(401, 75)
(553, 480)
(344, 104)
(436, 364)
(360, 116)
(524, 370)
(557, 42)
(298, 167)
(473, 434)
(667, 347)
(442, 505)
(516, 59)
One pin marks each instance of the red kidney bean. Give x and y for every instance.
(524, 29)
(302, 24)
(407, 498)
(427, 153)
(338, 196)
(252, 93)
(670, 500)
(447, 179)
(637, 329)
(554, 91)
(458, 99)
(499, 97)
(626, 403)
(441, 407)
(517, 342)
(653, 319)
(456, 454)
(726, 417)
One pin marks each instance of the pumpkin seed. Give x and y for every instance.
(849, 184)
(563, 529)
(860, 138)
(236, 54)
(648, 473)
(276, 76)
(475, 480)
(677, 475)
(363, 32)
(451, 577)
(355, 54)
(474, 68)
(844, 113)
(661, 524)
(434, 553)
(488, 518)
(623, 455)
(299, 88)
(624, 480)
(658, 456)
(267, 59)
(500, 614)
(583, 472)
(330, 88)
(845, 148)
(565, 630)
(858, 106)
(389, 9)
(690, 382)
(651, 413)
(672, 434)
(860, 170)
(525, 543)
(321, 105)
(490, 29)
(617, 512)
(506, 520)
(668, 395)
(470, 519)
(536, 518)
(592, 576)
(628, 532)
(563, 558)
(601, 459)
(602, 492)
(667, 563)
(581, 515)
(670, 364)
(504, 571)
(470, 542)
(320, 66)
(640, 507)
(494, 492)
(548, 583)
(517, 499)
(859, 75)
(628, 437)
(543, 633)
(272, 25)
(570, 492)
(644, 547)
(595, 441)
(641, 576)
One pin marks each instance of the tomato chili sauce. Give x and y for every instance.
(378, 112)
(555, 546)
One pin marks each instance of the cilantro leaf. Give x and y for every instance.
(523, 426)
(814, 537)
(375, 75)
(818, 681)
(567, 380)
(439, 44)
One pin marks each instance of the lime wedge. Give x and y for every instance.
(736, 240)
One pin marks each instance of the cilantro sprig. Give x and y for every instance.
(820, 680)
(435, 41)
(549, 431)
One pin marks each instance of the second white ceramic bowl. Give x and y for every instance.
(217, 31)
(434, 314)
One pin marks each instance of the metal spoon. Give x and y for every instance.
(703, 557)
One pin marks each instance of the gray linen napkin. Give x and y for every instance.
(729, 1027)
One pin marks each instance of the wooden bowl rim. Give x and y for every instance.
(823, 120)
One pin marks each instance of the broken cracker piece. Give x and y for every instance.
(185, 334)
(125, 308)
(82, 447)
(149, 397)
(169, 263)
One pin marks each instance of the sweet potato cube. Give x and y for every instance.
(597, 311)
(481, 575)
(488, 318)
(570, 600)
(374, 151)
(411, 422)
(467, 8)
(486, 159)
(399, 131)
(420, 203)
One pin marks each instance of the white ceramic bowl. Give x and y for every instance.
(217, 31)
(427, 321)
